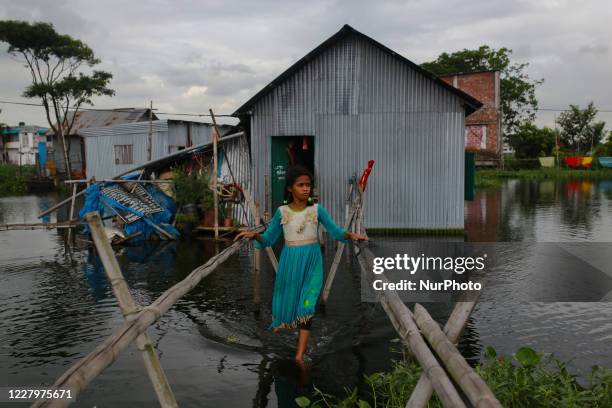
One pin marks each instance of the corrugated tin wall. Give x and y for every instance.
(100, 142)
(236, 152)
(361, 103)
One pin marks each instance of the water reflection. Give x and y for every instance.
(542, 211)
(56, 306)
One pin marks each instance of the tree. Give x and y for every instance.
(518, 101)
(578, 129)
(531, 141)
(55, 62)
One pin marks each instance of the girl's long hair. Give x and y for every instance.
(292, 174)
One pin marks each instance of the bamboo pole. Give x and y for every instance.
(79, 375)
(257, 262)
(39, 225)
(452, 329)
(121, 181)
(69, 199)
(128, 307)
(472, 385)
(59, 205)
(338, 256)
(216, 134)
(72, 203)
(402, 320)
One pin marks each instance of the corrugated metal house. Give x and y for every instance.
(351, 100)
(112, 150)
(87, 120)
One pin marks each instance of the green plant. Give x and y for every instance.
(182, 218)
(192, 189)
(526, 379)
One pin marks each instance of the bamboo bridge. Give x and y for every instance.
(445, 371)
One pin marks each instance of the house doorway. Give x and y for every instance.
(288, 151)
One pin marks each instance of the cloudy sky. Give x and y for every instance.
(189, 56)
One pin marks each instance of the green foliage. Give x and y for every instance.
(193, 189)
(518, 101)
(579, 132)
(492, 176)
(531, 141)
(11, 183)
(604, 149)
(54, 61)
(182, 218)
(528, 379)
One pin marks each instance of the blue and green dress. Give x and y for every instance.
(300, 268)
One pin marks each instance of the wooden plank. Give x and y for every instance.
(128, 307)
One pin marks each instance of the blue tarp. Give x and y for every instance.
(96, 200)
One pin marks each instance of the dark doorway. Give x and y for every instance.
(288, 151)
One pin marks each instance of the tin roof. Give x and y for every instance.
(102, 118)
(472, 104)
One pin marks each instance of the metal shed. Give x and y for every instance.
(112, 150)
(351, 100)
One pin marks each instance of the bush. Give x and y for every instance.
(526, 379)
(531, 141)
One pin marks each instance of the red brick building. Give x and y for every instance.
(483, 127)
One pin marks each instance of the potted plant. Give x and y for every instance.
(207, 201)
(228, 220)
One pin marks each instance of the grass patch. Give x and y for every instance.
(490, 179)
(525, 379)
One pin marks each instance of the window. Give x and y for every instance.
(124, 154)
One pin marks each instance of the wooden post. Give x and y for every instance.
(80, 374)
(215, 136)
(129, 307)
(402, 320)
(267, 201)
(454, 327)
(72, 202)
(472, 385)
(150, 137)
(338, 256)
(257, 262)
(252, 207)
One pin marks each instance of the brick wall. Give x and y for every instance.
(482, 126)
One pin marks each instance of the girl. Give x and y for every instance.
(300, 269)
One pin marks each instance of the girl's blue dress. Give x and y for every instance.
(300, 268)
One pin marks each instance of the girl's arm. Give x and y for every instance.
(337, 233)
(272, 233)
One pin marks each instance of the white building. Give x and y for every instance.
(20, 144)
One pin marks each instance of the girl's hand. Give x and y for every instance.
(357, 237)
(246, 234)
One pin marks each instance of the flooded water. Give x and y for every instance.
(56, 306)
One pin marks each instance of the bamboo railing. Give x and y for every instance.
(89, 367)
(409, 328)
(128, 307)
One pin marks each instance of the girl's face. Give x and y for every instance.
(300, 189)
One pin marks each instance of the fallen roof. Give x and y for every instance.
(472, 103)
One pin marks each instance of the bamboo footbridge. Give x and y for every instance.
(445, 371)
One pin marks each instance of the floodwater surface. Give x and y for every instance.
(56, 306)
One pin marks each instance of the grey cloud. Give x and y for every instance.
(161, 49)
